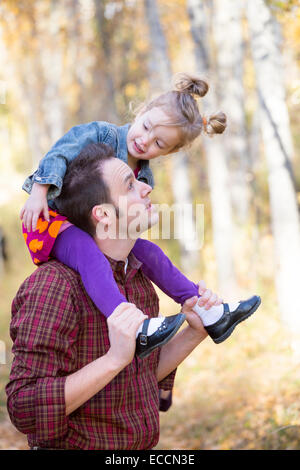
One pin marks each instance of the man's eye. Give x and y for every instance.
(159, 146)
(130, 186)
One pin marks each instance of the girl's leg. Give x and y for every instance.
(158, 267)
(160, 270)
(78, 250)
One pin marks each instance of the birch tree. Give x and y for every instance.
(103, 26)
(160, 77)
(37, 60)
(274, 119)
(218, 175)
(228, 38)
(53, 68)
(21, 59)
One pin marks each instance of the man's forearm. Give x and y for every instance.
(175, 351)
(86, 382)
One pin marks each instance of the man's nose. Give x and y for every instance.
(145, 189)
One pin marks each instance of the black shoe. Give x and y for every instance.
(146, 344)
(223, 328)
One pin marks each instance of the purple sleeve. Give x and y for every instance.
(79, 251)
(160, 270)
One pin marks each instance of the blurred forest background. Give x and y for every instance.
(73, 61)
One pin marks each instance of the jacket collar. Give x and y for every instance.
(122, 147)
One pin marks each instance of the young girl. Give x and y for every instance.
(162, 126)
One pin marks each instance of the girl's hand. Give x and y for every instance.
(36, 203)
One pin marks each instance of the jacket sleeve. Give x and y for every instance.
(44, 329)
(53, 166)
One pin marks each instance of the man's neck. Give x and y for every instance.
(117, 249)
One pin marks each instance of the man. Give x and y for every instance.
(76, 382)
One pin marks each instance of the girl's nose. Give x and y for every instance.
(144, 142)
(145, 138)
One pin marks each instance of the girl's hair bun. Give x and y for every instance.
(216, 124)
(191, 84)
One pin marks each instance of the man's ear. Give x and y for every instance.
(104, 219)
(103, 214)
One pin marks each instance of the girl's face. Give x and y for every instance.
(148, 138)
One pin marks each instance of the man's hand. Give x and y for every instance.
(192, 317)
(183, 343)
(122, 327)
(208, 298)
(35, 204)
(93, 377)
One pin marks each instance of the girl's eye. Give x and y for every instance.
(130, 186)
(145, 127)
(158, 145)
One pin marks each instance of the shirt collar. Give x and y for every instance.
(133, 262)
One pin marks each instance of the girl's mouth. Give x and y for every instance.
(137, 148)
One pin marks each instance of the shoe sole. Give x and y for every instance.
(173, 333)
(230, 330)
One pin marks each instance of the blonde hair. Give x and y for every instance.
(181, 106)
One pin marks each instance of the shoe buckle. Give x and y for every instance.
(143, 340)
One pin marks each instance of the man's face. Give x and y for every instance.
(131, 197)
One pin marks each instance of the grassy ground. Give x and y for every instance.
(241, 394)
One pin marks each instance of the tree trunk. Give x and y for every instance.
(229, 43)
(218, 175)
(106, 52)
(52, 63)
(278, 149)
(31, 90)
(160, 77)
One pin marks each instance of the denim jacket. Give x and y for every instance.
(52, 168)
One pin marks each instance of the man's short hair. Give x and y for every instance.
(84, 186)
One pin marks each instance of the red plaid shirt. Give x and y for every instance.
(56, 330)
